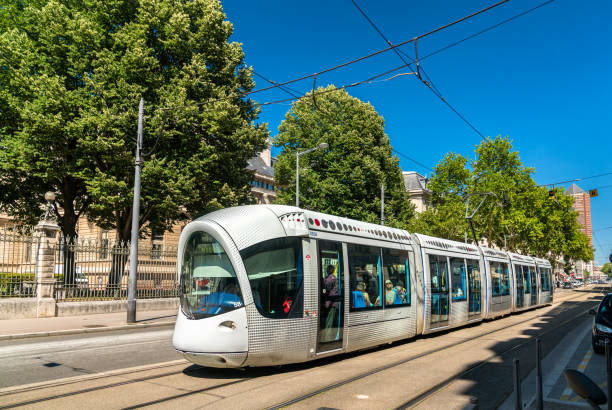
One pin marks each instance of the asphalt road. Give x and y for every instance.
(49, 358)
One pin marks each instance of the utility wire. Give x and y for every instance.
(288, 90)
(578, 179)
(411, 159)
(277, 85)
(486, 29)
(429, 83)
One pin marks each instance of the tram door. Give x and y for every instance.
(533, 277)
(474, 288)
(438, 268)
(520, 286)
(331, 296)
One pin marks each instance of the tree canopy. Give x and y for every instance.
(346, 178)
(516, 213)
(71, 77)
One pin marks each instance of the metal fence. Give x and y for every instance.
(99, 270)
(87, 269)
(18, 254)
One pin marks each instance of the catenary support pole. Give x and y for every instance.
(297, 180)
(131, 304)
(609, 369)
(539, 398)
(518, 400)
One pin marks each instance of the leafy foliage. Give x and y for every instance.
(71, 76)
(516, 214)
(346, 178)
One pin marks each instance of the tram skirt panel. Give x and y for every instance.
(277, 341)
(459, 313)
(376, 333)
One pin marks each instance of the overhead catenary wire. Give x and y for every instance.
(578, 179)
(412, 160)
(429, 84)
(356, 60)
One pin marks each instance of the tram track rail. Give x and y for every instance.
(427, 393)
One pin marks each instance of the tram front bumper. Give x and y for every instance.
(216, 341)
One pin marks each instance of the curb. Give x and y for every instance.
(83, 330)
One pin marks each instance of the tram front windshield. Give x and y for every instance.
(209, 285)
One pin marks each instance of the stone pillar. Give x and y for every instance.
(46, 237)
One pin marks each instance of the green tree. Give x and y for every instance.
(518, 214)
(71, 76)
(449, 185)
(346, 178)
(606, 269)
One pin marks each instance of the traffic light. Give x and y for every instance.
(551, 194)
(593, 193)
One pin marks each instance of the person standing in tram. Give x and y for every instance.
(331, 304)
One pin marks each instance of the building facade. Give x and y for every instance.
(416, 186)
(582, 205)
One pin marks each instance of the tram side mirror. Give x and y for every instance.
(584, 387)
(592, 312)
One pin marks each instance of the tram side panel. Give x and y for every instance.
(277, 340)
(370, 323)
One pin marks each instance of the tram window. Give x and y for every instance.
(527, 272)
(365, 276)
(495, 278)
(500, 278)
(209, 285)
(504, 279)
(458, 279)
(544, 284)
(396, 273)
(275, 273)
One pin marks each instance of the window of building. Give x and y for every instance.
(458, 279)
(103, 244)
(157, 243)
(396, 272)
(365, 276)
(275, 272)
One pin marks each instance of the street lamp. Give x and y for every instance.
(322, 145)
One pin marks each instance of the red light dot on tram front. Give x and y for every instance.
(317, 222)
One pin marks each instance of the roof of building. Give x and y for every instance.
(414, 180)
(258, 165)
(574, 190)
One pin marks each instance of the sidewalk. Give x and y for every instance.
(36, 327)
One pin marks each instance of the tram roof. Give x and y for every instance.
(517, 257)
(431, 242)
(494, 253)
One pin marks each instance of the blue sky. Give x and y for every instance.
(542, 79)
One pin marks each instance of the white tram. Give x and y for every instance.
(270, 284)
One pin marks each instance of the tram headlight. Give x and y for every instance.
(602, 328)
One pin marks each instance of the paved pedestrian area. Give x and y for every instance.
(23, 328)
(586, 361)
(573, 352)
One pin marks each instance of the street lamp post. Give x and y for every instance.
(322, 145)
